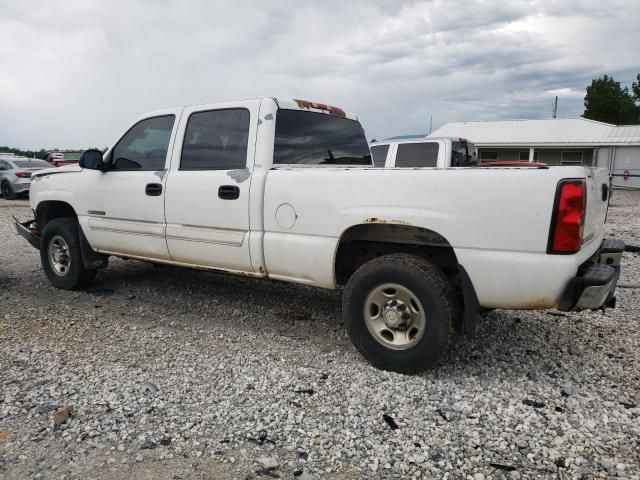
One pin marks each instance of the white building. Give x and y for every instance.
(558, 141)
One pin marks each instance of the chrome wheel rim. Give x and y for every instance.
(59, 256)
(394, 316)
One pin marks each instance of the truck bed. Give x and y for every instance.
(496, 220)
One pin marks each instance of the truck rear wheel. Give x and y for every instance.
(60, 255)
(400, 312)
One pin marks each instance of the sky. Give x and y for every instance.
(77, 73)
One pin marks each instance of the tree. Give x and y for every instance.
(635, 88)
(607, 101)
(24, 153)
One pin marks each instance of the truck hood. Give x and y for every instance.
(52, 171)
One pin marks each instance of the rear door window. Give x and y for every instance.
(216, 140)
(423, 154)
(379, 155)
(311, 138)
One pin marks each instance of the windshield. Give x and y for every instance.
(310, 138)
(463, 154)
(32, 164)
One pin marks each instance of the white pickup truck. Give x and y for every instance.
(286, 190)
(425, 152)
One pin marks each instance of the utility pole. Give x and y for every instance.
(430, 123)
(555, 107)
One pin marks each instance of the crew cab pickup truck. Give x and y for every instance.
(286, 190)
(427, 152)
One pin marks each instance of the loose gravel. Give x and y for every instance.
(180, 374)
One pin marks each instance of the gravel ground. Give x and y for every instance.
(181, 374)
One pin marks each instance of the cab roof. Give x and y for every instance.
(285, 103)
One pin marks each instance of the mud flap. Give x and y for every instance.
(471, 305)
(91, 258)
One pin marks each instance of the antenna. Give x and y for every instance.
(555, 107)
(430, 123)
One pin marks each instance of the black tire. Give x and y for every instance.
(76, 275)
(432, 289)
(7, 191)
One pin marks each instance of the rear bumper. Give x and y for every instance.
(21, 185)
(595, 284)
(27, 231)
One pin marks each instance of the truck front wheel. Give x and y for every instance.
(60, 255)
(400, 311)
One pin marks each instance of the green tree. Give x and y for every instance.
(24, 153)
(607, 101)
(635, 88)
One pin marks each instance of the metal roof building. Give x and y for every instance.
(556, 141)
(558, 131)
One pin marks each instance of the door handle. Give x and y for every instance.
(153, 189)
(228, 192)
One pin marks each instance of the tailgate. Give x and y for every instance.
(598, 192)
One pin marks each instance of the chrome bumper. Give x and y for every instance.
(27, 231)
(595, 284)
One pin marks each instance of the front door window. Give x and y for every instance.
(144, 146)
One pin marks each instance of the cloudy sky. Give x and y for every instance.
(76, 73)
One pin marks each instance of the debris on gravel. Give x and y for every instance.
(533, 403)
(190, 374)
(390, 421)
(150, 388)
(61, 416)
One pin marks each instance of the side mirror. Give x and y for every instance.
(92, 159)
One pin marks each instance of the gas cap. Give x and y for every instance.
(286, 216)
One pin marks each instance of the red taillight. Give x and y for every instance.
(23, 174)
(568, 217)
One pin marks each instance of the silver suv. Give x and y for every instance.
(15, 174)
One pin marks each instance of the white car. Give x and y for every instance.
(15, 174)
(283, 189)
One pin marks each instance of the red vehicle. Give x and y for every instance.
(60, 158)
(513, 164)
